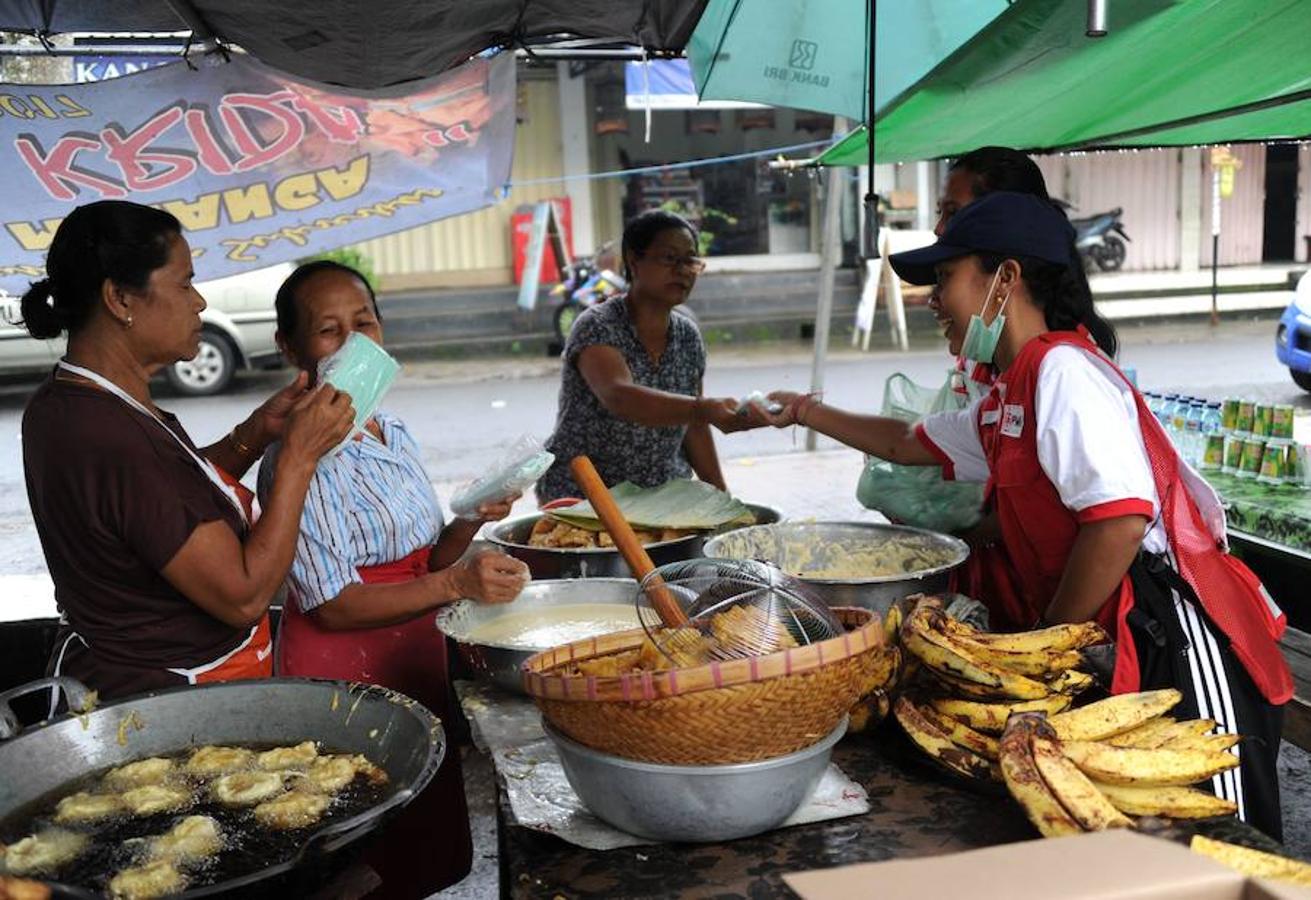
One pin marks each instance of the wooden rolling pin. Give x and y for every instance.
(629, 547)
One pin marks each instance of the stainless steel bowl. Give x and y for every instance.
(512, 535)
(499, 663)
(783, 543)
(697, 804)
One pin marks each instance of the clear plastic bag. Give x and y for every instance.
(517, 469)
(365, 371)
(918, 495)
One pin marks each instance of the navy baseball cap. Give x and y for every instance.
(1006, 223)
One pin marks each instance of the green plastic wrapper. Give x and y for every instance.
(680, 504)
(918, 495)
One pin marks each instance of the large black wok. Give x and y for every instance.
(389, 728)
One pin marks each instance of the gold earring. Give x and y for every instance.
(128, 323)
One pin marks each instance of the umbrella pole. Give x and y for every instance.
(871, 199)
(830, 238)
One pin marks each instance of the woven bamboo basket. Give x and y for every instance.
(727, 712)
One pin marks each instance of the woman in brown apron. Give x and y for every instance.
(373, 563)
(161, 574)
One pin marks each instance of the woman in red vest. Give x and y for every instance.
(1098, 513)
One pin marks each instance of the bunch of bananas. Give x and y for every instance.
(1091, 768)
(961, 685)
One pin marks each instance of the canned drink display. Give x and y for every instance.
(1299, 466)
(1246, 417)
(1233, 456)
(1274, 463)
(1229, 414)
(1281, 421)
(1264, 419)
(1213, 452)
(1250, 464)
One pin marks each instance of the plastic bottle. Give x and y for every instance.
(1210, 454)
(1194, 441)
(1178, 426)
(1164, 407)
(1153, 401)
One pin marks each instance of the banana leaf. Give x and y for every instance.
(682, 503)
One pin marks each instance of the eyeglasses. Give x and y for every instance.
(694, 264)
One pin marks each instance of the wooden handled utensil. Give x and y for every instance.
(630, 548)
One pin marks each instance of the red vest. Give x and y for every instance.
(1039, 531)
(409, 657)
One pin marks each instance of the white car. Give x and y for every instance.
(239, 326)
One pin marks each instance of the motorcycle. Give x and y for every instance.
(1098, 239)
(587, 282)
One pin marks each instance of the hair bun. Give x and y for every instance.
(41, 316)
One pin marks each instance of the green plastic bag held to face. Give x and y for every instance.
(363, 370)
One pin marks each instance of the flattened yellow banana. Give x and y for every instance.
(941, 683)
(1114, 715)
(991, 717)
(961, 734)
(1146, 736)
(1129, 765)
(1071, 682)
(883, 667)
(1081, 799)
(937, 744)
(892, 623)
(868, 712)
(1175, 802)
(943, 654)
(1254, 862)
(1026, 783)
(1056, 638)
(1034, 663)
(1215, 743)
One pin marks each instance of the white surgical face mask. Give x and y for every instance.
(980, 344)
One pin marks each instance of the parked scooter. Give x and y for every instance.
(1098, 239)
(587, 282)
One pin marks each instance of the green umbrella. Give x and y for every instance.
(852, 150)
(803, 54)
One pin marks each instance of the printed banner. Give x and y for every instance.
(259, 169)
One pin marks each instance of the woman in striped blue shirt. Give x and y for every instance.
(374, 560)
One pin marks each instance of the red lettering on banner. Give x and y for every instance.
(441, 137)
(144, 169)
(212, 155)
(55, 171)
(253, 152)
(340, 123)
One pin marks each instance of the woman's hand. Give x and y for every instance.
(490, 577)
(787, 408)
(722, 413)
(318, 422)
(496, 510)
(268, 423)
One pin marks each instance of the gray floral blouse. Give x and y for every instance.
(620, 449)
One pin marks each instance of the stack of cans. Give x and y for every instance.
(1258, 443)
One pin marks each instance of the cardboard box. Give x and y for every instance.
(1108, 865)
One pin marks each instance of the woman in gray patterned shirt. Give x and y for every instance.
(630, 393)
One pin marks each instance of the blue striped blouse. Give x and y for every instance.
(370, 504)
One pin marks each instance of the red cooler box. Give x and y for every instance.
(521, 229)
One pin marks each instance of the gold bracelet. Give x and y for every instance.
(241, 448)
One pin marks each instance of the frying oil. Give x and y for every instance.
(122, 841)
